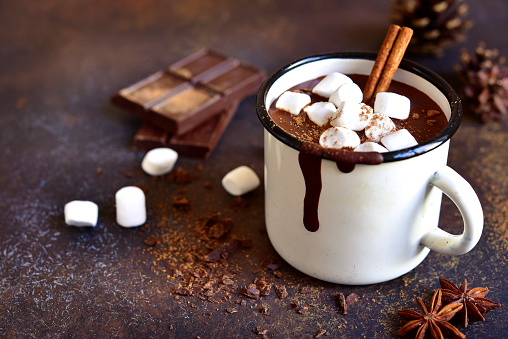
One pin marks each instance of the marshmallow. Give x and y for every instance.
(339, 137)
(159, 161)
(392, 104)
(346, 92)
(320, 113)
(81, 213)
(241, 180)
(370, 147)
(130, 206)
(352, 115)
(292, 102)
(399, 140)
(379, 125)
(330, 83)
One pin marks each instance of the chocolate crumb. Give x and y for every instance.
(251, 291)
(208, 185)
(277, 273)
(150, 241)
(305, 290)
(303, 310)
(273, 267)
(267, 261)
(341, 301)
(264, 310)
(231, 310)
(99, 170)
(219, 252)
(180, 176)
(238, 204)
(350, 299)
(259, 330)
(431, 122)
(432, 112)
(415, 116)
(171, 327)
(181, 203)
(320, 333)
(281, 291)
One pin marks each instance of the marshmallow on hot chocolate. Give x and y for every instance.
(130, 207)
(81, 213)
(352, 115)
(370, 147)
(159, 161)
(393, 105)
(346, 92)
(330, 83)
(379, 125)
(320, 113)
(399, 140)
(292, 102)
(241, 180)
(339, 137)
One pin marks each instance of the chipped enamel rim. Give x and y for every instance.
(360, 62)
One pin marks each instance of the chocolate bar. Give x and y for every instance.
(190, 91)
(197, 143)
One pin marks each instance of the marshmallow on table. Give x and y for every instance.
(130, 206)
(81, 213)
(352, 115)
(339, 137)
(292, 102)
(320, 112)
(379, 125)
(392, 104)
(370, 147)
(159, 161)
(330, 83)
(399, 140)
(241, 180)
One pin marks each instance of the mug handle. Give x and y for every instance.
(466, 200)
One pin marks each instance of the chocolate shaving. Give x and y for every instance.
(219, 252)
(259, 330)
(181, 203)
(281, 291)
(352, 298)
(341, 301)
(252, 292)
(320, 333)
(150, 241)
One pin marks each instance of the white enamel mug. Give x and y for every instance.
(378, 221)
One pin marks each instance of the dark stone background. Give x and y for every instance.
(60, 61)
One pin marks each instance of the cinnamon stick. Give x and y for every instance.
(379, 64)
(393, 62)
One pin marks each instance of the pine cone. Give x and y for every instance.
(436, 24)
(485, 79)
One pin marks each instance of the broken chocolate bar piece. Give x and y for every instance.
(197, 143)
(191, 91)
(202, 65)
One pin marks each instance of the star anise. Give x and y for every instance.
(475, 305)
(433, 322)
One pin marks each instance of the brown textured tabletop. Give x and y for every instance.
(61, 140)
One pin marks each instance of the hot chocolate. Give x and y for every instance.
(425, 120)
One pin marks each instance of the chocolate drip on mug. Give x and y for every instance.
(310, 164)
(309, 159)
